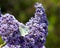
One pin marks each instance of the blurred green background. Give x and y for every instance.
(23, 10)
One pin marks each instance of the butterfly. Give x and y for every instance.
(24, 30)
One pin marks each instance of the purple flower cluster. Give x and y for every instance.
(8, 24)
(38, 27)
(11, 46)
(17, 35)
(9, 29)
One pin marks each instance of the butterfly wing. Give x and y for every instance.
(23, 30)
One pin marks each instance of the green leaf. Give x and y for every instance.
(2, 45)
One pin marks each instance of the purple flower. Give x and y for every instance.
(35, 31)
(8, 26)
(38, 26)
(11, 46)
